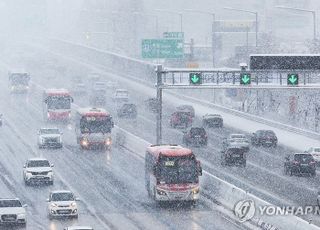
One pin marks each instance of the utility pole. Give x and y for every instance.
(159, 70)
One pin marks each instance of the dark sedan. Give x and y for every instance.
(195, 136)
(264, 138)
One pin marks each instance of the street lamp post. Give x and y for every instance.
(304, 10)
(213, 30)
(173, 12)
(247, 11)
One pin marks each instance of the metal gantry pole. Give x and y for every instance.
(159, 69)
(256, 13)
(213, 40)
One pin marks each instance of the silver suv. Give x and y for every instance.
(38, 170)
(12, 212)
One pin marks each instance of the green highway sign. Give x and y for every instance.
(245, 78)
(178, 35)
(162, 48)
(293, 79)
(195, 79)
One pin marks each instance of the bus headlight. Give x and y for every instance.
(48, 115)
(195, 190)
(84, 142)
(161, 192)
(108, 141)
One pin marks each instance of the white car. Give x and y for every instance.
(62, 204)
(121, 95)
(12, 212)
(38, 170)
(50, 138)
(78, 228)
(315, 152)
(237, 140)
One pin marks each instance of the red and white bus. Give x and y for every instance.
(172, 173)
(93, 128)
(57, 104)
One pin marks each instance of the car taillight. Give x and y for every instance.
(312, 163)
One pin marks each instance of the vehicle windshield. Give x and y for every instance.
(177, 170)
(19, 79)
(10, 203)
(129, 107)
(316, 150)
(96, 124)
(197, 131)
(65, 196)
(40, 163)
(49, 131)
(304, 158)
(54, 102)
(267, 134)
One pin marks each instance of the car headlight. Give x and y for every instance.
(28, 172)
(161, 192)
(53, 205)
(21, 216)
(195, 190)
(48, 114)
(73, 204)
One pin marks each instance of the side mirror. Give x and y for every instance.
(77, 199)
(52, 165)
(112, 124)
(25, 205)
(72, 99)
(318, 193)
(24, 166)
(61, 133)
(48, 200)
(199, 168)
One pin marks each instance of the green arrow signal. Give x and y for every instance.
(293, 78)
(245, 79)
(195, 78)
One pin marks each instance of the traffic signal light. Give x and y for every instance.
(245, 78)
(195, 79)
(292, 79)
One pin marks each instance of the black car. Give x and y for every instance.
(152, 104)
(299, 163)
(234, 156)
(127, 111)
(212, 120)
(265, 138)
(195, 136)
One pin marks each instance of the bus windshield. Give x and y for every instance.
(178, 170)
(96, 124)
(59, 102)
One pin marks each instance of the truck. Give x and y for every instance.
(19, 81)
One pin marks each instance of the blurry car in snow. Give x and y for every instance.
(62, 203)
(187, 108)
(212, 120)
(234, 155)
(236, 140)
(299, 163)
(12, 212)
(265, 138)
(180, 119)
(196, 136)
(50, 138)
(121, 96)
(38, 170)
(127, 111)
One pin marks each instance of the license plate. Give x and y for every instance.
(39, 176)
(236, 155)
(304, 164)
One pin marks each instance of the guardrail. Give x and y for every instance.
(144, 73)
(225, 193)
